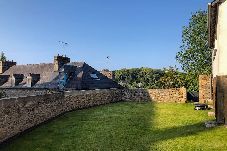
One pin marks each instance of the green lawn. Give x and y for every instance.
(125, 126)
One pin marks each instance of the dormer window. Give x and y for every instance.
(94, 76)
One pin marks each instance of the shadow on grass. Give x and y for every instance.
(119, 126)
(162, 135)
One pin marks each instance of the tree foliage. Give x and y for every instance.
(2, 56)
(195, 55)
(150, 78)
(172, 78)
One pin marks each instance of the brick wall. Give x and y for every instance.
(205, 89)
(160, 95)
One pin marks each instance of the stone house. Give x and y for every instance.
(61, 74)
(217, 26)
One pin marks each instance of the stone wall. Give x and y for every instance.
(21, 113)
(160, 95)
(205, 89)
(21, 92)
(85, 99)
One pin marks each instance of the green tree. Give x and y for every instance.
(150, 78)
(195, 55)
(2, 56)
(172, 78)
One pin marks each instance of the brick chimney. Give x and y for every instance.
(5, 65)
(60, 61)
(32, 79)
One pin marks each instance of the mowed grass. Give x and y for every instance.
(125, 126)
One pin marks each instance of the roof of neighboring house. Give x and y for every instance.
(212, 20)
(80, 79)
(45, 71)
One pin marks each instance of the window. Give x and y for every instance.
(94, 76)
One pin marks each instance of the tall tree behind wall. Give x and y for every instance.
(195, 55)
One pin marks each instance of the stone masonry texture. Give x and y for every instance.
(159, 95)
(20, 113)
(205, 89)
(22, 92)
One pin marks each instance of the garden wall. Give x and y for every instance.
(160, 95)
(19, 92)
(84, 99)
(205, 89)
(21, 113)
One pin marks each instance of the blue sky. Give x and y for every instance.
(134, 33)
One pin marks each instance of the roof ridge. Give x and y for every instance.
(34, 64)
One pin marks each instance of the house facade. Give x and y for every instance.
(217, 26)
(217, 35)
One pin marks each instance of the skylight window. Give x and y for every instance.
(94, 76)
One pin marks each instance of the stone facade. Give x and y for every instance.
(205, 89)
(178, 95)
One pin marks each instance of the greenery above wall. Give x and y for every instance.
(151, 78)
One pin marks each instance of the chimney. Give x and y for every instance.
(5, 65)
(16, 79)
(32, 79)
(60, 61)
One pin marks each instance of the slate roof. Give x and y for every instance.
(45, 71)
(81, 79)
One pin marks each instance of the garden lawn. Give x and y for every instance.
(125, 126)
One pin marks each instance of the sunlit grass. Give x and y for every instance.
(125, 126)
